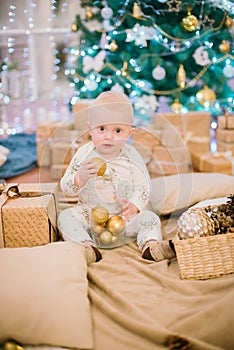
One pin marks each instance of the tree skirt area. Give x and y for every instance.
(22, 156)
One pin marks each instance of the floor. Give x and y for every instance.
(36, 175)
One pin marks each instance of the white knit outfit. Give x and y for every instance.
(126, 177)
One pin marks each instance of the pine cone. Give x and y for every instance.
(195, 222)
(223, 216)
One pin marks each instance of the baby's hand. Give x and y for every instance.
(128, 209)
(86, 171)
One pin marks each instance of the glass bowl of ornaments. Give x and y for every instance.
(108, 231)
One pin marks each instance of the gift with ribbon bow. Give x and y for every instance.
(28, 214)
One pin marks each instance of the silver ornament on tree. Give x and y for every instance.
(228, 71)
(107, 14)
(158, 73)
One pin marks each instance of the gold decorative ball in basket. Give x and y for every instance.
(205, 248)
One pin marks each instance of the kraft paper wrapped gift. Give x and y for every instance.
(62, 152)
(28, 214)
(162, 168)
(57, 171)
(225, 146)
(168, 161)
(226, 121)
(80, 112)
(44, 133)
(217, 162)
(147, 137)
(192, 128)
(144, 140)
(225, 135)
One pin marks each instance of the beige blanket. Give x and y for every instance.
(141, 305)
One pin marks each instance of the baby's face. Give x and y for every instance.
(109, 129)
(110, 138)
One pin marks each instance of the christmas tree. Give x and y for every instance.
(181, 51)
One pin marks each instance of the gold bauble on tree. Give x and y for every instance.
(206, 96)
(224, 47)
(74, 27)
(176, 106)
(181, 76)
(136, 11)
(189, 23)
(113, 46)
(124, 69)
(228, 22)
(88, 13)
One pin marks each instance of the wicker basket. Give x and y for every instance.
(205, 257)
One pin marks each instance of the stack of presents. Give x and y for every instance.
(172, 143)
(222, 160)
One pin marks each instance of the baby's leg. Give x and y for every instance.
(73, 224)
(149, 238)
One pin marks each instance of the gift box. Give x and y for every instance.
(168, 161)
(28, 215)
(192, 129)
(62, 152)
(146, 137)
(44, 133)
(57, 171)
(225, 146)
(225, 135)
(226, 122)
(144, 140)
(218, 162)
(80, 112)
(162, 168)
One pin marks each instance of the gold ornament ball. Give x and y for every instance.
(105, 237)
(114, 239)
(115, 224)
(189, 23)
(11, 345)
(100, 164)
(206, 96)
(113, 46)
(99, 215)
(224, 47)
(228, 22)
(98, 229)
